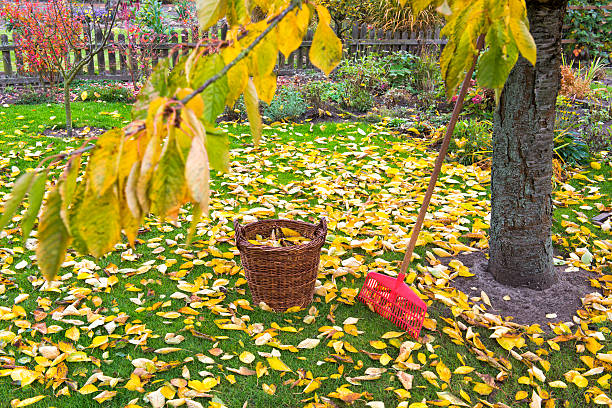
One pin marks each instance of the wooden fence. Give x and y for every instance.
(115, 61)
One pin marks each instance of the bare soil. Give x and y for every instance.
(526, 306)
(78, 132)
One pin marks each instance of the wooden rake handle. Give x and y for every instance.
(438, 165)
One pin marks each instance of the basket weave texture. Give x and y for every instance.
(281, 277)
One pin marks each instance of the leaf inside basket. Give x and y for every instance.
(280, 237)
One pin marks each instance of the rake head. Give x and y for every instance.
(395, 301)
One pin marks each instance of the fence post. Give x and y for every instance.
(195, 33)
(91, 68)
(353, 40)
(18, 57)
(412, 47)
(184, 42)
(309, 37)
(164, 48)
(6, 55)
(396, 38)
(100, 56)
(173, 45)
(77, 57)
(112, 61)
(291, 61)
(300, 57)
(363, 35)
(123, 68)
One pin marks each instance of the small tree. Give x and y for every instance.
(49, 36)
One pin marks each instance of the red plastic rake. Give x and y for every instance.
(391, 297)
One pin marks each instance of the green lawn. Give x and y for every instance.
(37, 118)
(367, 180)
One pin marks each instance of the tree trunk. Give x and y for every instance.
(67, 108)
(520, 246)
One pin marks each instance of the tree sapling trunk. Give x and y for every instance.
(68, 109)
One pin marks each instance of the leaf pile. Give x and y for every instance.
(163, 324)
(280, 237)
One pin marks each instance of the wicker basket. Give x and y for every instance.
(281, 277)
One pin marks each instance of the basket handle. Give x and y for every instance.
(239, 229)
(321, 228)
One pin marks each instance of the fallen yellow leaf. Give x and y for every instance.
(277, 364)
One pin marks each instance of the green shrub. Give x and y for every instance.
(396, 113)
(595, 128)
(570, 148)
(479, 102)
(571, 129)
(288, 104)
(590, 28)
(322, 94)
(397, 97)
(236, 112)
(472, 141)
(356, 97)
(367, 72)
(186, 13)
(397, 123)
(598, 136)
(416, 73)
(349, 94)
(150, 15)
(109, 92)
(32, 96)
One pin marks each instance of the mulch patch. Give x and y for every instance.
(526, 306)
(78, 132)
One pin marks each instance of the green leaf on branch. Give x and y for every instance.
(291, 30)
(266, 87)
(237, 12)
(53, 237)
(130, 191)
(178, 76)
(326, 49)
(129, 222)
(494, 65)
(251, 101)
(210, 11)
(214, 96)
(262, 59)
(102, 167)
(462, 29)
(237, 76)
(217, 148)
(35, 199)
(98, 221)
(76, 241)
(69, 185)
(195, 219)
(197, 172)
(417, 5)
(519, 26)
(20, 189)
(168, 188)
(156, 86)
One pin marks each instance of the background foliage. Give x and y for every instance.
(591, 29)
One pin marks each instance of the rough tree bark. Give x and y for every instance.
(520, 246)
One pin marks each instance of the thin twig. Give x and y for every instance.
(77, 67)
(61, 156)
